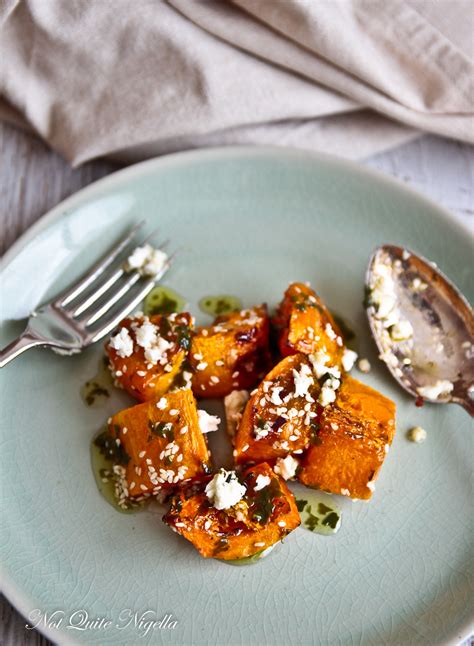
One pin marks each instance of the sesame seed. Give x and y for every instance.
(245, 448)
(184, 430)
(132, 485)
(143, 487)
(219, 363)
(174, 411)
(235, 374)
(201, 366)
(259, 544)
(281, 523)
(214, 379)
(142, 454)
(124, 430)
(197, 356)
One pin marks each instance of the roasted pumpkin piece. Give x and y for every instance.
(230, 518)
(304, 324)
(147, 353)
(157, 445)
(350, 445)
(231, 354)
(281, 414)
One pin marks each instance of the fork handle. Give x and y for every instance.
(24, 342)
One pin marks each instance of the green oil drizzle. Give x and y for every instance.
(250, 560)
(163, 300)
(104, 477)
(96, 391)
(221, 304)
(317, 511)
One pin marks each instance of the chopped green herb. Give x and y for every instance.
(301, 504)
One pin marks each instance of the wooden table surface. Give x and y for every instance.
(33, 180)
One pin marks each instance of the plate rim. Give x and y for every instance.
(18, 598)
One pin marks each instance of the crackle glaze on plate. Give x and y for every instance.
(247, 221)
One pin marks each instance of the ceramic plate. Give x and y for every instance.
(246, 221)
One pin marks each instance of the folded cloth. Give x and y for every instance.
(132, 80)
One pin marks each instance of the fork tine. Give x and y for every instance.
(109, 325)
(70, 294)
(117, 296)
(102, 289)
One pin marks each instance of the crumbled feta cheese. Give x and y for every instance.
(261, 432)
(364, 365)
(145, 334)
(208, 423)
(327, 396)
(441, 388)
(225, 490)
(234, 404)
(302, 380)
(286, 467)
(371, 486)
(122, 343)
(330, 332)
(275, 396)
(417, 434)
(348, 360)
(401, 331)
(156, 352)
(319, 361)
(261, 482)
(147, 261)
(162, 403)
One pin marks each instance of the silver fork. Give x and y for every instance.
(68, 324)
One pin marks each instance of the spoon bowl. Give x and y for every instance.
(422, 325)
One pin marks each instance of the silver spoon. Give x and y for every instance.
(423, 327)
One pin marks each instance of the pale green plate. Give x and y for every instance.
(247, 221)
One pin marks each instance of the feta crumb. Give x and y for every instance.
(401, 331)
(417, 434)
(261, 482)
(234, 404)
(330, 332)
(275, 396)
(225, 490)
(157, 351)
(286, 467)
(348, 360)
(147, 261)
(327, 396)
(122, 343)
(319, 361)
(145, 334)
(345, 492)
(440, 388)
(364, 365)
(371, 486)
(208, 423)
(302, 380)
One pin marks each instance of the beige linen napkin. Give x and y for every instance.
(136, 79)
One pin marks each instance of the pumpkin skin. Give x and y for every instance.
(304, 324)
(146, 431)
(355, 433)
(232, 354)
(138, 376)
(261, 519)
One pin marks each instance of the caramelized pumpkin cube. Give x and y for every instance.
(263, 513)
(230, 355)
(304, 324)
(354, 436)
(159, 445)
(281, 414)
(146, 353)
